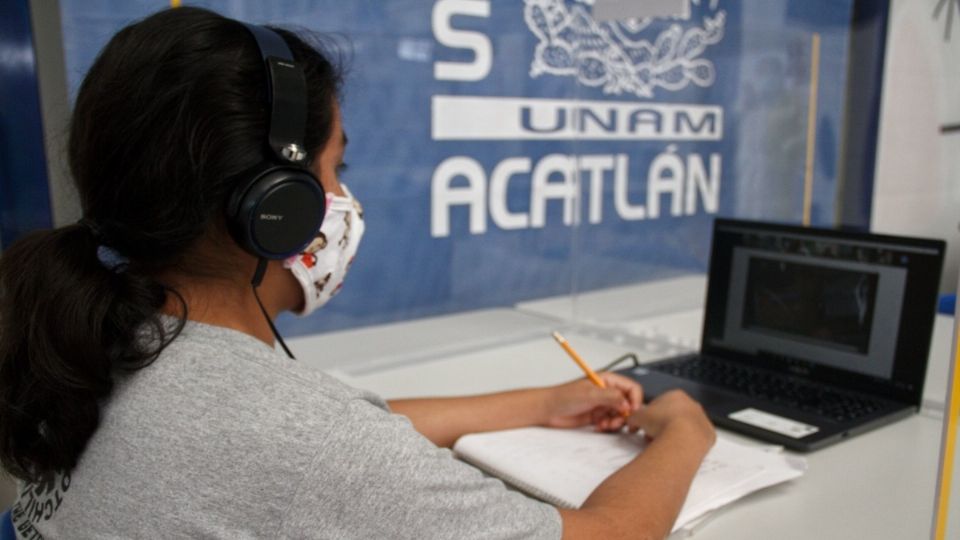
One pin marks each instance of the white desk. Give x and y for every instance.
(878, 485)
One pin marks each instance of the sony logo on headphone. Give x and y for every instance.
(271, 217)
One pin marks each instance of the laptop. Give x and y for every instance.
(810, 335)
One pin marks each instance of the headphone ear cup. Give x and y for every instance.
(277, 212)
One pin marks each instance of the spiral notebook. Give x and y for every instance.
(563, 466)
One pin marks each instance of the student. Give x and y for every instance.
(140, 392)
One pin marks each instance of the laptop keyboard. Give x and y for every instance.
(770, 386)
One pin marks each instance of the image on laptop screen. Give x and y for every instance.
(832, 307)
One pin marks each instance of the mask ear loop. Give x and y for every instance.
(257, 279)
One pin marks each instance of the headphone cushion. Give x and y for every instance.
(277, 213)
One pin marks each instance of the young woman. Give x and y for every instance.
(140, 392)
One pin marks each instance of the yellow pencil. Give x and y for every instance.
(576, 358)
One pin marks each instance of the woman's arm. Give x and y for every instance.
(643, 499)
(444, 420)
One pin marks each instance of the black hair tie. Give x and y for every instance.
(110, 258)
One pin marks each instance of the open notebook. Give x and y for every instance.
(563, 466)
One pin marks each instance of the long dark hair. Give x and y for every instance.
(173, 107)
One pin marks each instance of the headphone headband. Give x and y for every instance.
(286, 92)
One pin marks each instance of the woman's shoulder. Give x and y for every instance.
(206, 348)
(221, 393)
(218, 369)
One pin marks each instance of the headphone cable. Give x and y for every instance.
(257, 278)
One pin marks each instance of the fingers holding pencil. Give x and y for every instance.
(630, 390)
(601, 381)
(581, 402)
(630, 396)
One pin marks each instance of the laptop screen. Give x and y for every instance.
(830, 304)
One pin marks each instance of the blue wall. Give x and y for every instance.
(614, 146)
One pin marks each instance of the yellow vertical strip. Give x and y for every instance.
(811, 127)
(949, 442)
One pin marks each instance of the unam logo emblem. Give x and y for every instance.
(611, 54)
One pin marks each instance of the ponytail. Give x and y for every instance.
(68, 323)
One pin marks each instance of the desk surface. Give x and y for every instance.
(877, 485)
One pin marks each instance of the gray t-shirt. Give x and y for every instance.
(222, 437)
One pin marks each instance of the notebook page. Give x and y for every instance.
(731, 470)
(565, 466)
(560, 465)
(774, 469)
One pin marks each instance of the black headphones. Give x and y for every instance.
(278, 205)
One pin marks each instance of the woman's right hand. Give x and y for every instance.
(674, 409)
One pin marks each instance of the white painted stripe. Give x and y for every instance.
(507, 118)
